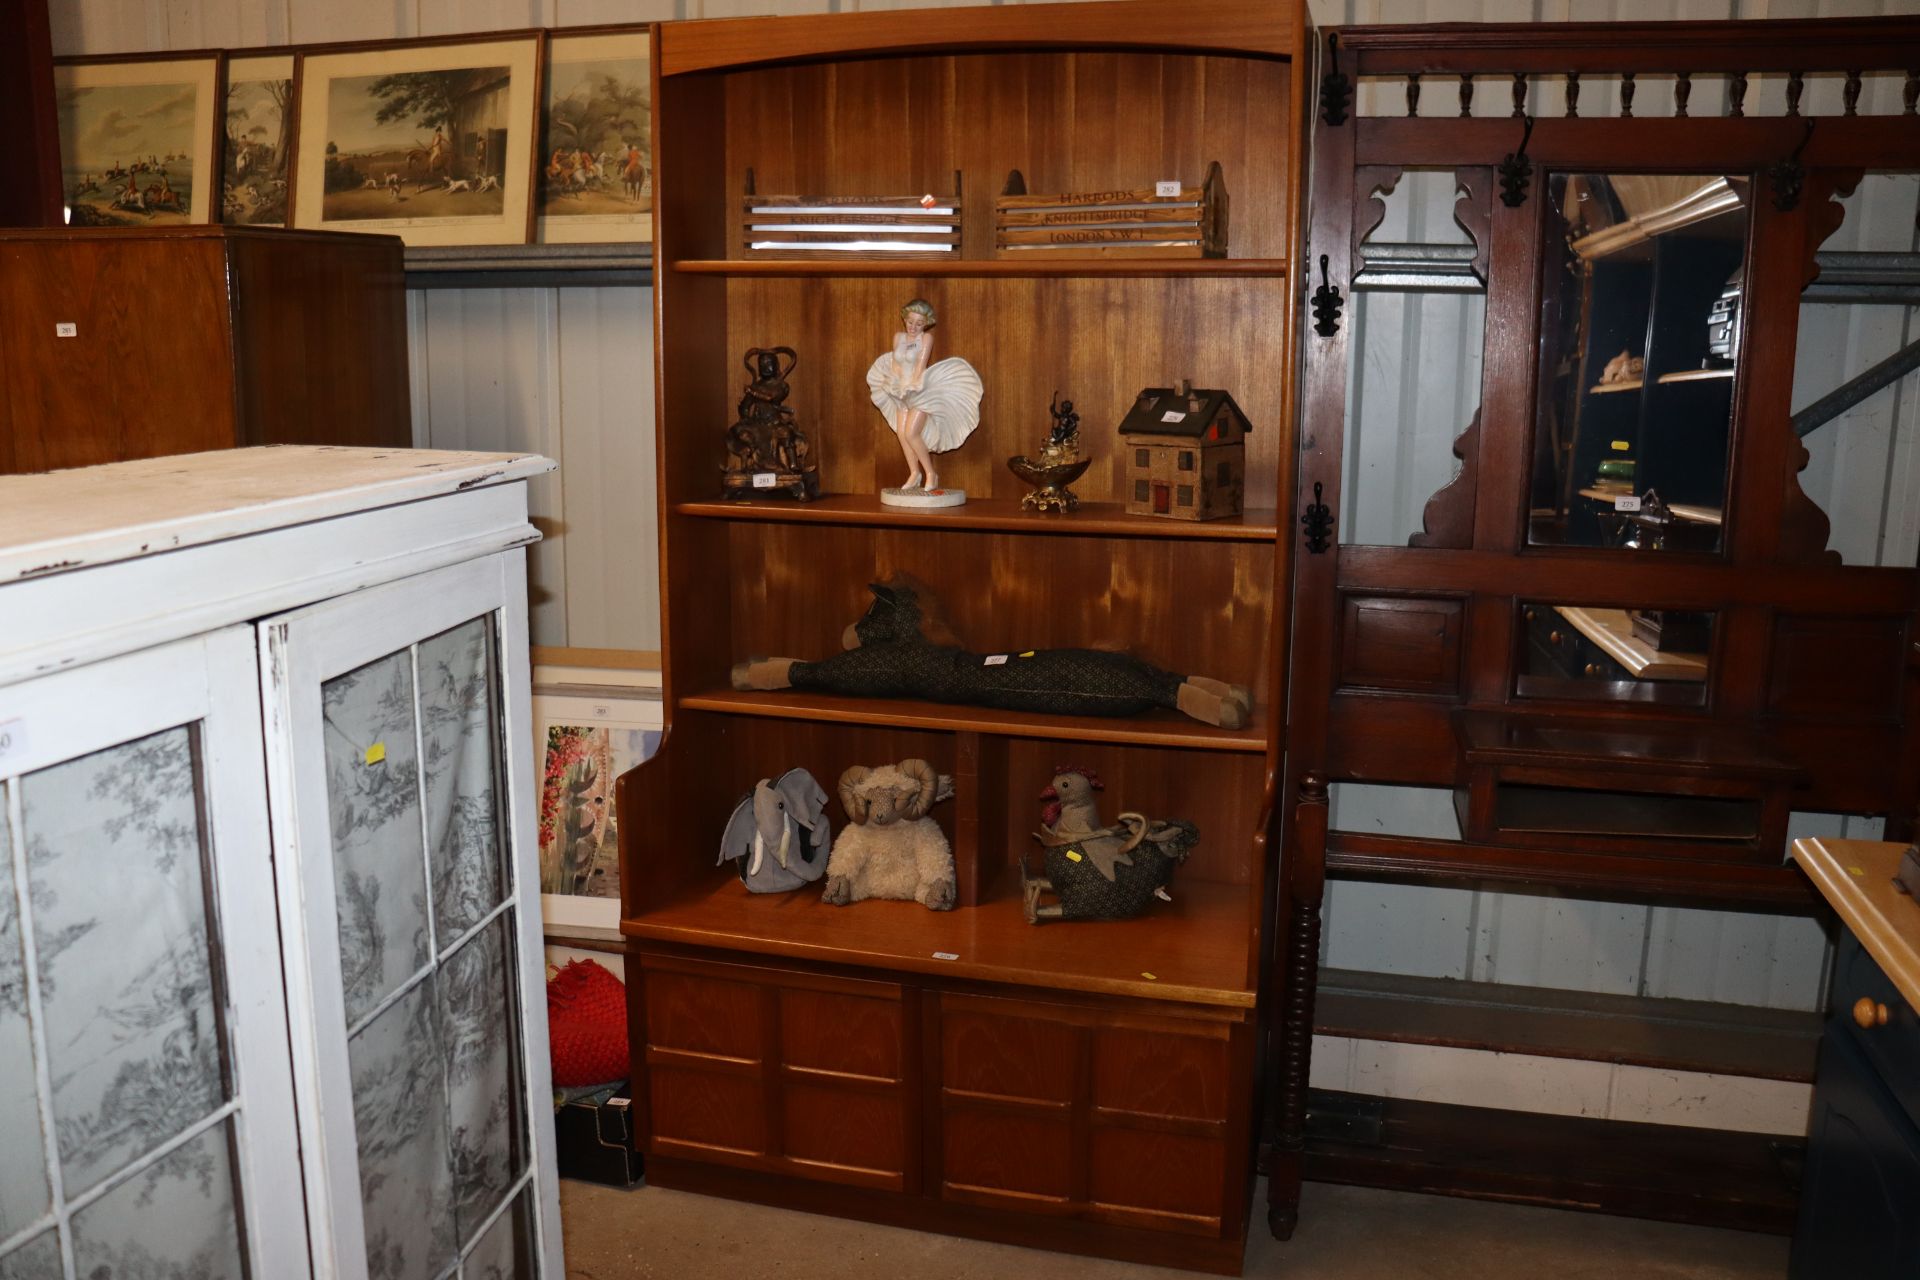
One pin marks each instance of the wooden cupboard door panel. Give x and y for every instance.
(1000, 1054)
(1400, 643)
(845, 1135)
(1007, 1159)
(1836, 668)
(708, 1016)
(1161, 1074)
(705, 1114)
(1163, 1181)
(842, 1034)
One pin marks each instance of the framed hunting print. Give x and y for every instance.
(137, 139)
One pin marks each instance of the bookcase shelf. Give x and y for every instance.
(1024, 266)
(1108, 519)
(1162, 729)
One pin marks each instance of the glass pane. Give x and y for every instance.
(460, 739)
(506, 1251)
(483, 1050)
(400, 1118)
(37, 1259)
(178, 1218)
(24, 1194)
(1598, 653)
(374, 810)
(119, 900)
(1641, 303)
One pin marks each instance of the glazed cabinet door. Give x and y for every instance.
(401, 784)
(1110, 1114)
(146, 1096)
(764, 1068)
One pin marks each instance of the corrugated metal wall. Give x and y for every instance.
(567, 373)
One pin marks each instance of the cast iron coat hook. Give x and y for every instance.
(1318, 521)
(1336, 90)
(1789, 175)
(1516, 171)
(1326, 304)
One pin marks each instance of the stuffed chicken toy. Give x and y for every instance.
(1100, 871)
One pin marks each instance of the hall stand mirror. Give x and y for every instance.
(1620, 636)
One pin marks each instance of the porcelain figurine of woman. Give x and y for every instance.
(931, 406)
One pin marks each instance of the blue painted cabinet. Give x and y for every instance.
(1860, 1201)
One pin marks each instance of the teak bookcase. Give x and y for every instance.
(1418, 664)
(1088, 1087)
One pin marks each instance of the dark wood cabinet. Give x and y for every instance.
(1860, 1200)
(129, 343)
(1619, 637)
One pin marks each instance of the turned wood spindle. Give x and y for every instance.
(1737, 94)
(1466, 97)
(1413, 94)
(1850, 95)
(1573, 93)
(1682, 90)
(1519, 95)
(1795, 84)
(1626, 95)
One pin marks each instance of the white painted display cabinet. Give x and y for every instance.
(271, 988)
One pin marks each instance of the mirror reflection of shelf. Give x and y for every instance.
(1696, 375)
(1612, 631)
(1712, 198)
(1608, 388)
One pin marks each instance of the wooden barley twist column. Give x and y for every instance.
(1308, 859)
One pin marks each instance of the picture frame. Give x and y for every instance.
(138, 138)
(432, 141)
(259, 131)
(584, 738)
(594, 171)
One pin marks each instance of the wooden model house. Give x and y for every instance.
(1186, 453)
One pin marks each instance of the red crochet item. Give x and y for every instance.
(587, 1025)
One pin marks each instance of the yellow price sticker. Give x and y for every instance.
(1148, 976)
(1073, 855)
(1859, 871)
(1621, 446)
(376, 753)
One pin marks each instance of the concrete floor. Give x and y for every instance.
(1346, 1233)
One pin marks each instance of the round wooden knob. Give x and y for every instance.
(1553, 637)
(1529, 615)
(1593, 669)
(1869, 1012)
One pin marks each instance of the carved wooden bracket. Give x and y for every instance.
(1473, 210)
(1372, 184)
(1448, 518)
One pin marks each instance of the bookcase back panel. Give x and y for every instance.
(1098, 342)
(1196, 609)
(1069, 122)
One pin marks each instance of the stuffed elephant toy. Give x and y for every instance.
(891, 848)
(779, 835)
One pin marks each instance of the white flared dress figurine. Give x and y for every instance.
(931, 407)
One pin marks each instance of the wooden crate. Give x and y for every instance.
(851, 227)
(1161, 221)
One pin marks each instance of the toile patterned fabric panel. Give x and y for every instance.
(477, 990)
(177, 1219)
(37, 1259)
(374, 814)
(400, 1120)
(118, 894)
(506, 1251)
(24, 1194)
(460, 740)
